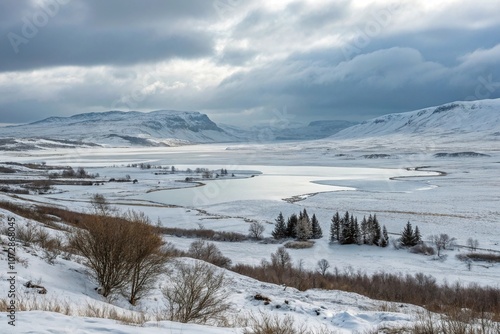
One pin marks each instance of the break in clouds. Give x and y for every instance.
(240, 61)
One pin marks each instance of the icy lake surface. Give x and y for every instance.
(278, 183)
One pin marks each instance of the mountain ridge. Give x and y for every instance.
(480, 119)
(120, 128)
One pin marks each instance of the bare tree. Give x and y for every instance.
(196, 294)
(281, 262)
(442, 241)
(104, 242)
(147, 257)
(100, 205)
(123, 253)
(256, 230)
(323, 266)
(473, 244)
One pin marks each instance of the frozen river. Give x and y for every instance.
(278, 183)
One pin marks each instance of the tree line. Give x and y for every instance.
(344, 229)
(299, 227)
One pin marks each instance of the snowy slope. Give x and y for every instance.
(69, 286)
(117, 128)
(474, 119)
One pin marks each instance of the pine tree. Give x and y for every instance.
(417, 238)
(317, 233)
(407, 236)
(369, 230)
(345, 230)
(375, 231)
(335, 227)
(291, 226)
(303, 229)
(280, 230)
(305, 216)
(364, 230)
(384, 241)
(356, 232)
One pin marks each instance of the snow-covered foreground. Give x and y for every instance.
(70, 287)
(463, 204)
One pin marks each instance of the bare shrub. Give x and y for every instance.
(423, 249)
(486, 257)
(299, 244)
(196, 294)
(256, 230)
(267, 324)
(208, 252)
(26, 233)
(52, 248)
(274, 324)
(204, 233)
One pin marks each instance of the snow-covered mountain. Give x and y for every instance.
(478, 120)
(314, 130)
(118, 128)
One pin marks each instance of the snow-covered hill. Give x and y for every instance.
(69, 286)
(117, 128)
(292, 131)
(478, 120)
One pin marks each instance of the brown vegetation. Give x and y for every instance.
(196, 294)
(122, 252)
(418, 289)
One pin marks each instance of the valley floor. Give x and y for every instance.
(461, 202)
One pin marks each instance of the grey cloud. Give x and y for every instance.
(385, 81)
(106, 32)
(236, 56)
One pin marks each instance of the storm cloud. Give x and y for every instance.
(240, 61)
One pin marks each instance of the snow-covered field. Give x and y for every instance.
(463, 203)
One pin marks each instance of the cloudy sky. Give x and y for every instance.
(245, 62)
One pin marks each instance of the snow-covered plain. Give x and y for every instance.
(462, 203)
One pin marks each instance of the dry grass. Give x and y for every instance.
(263, 323)
(299, 244)
(34, 302)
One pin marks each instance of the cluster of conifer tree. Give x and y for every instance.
(346, 230)
(300, 227)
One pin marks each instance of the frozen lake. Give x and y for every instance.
(277, 183)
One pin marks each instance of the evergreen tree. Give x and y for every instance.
(335, 227)
(356, 232)
(384, 241)
(280, 229)
(303, 229)
(376, 233)
(291, 226)
(317, 233)
(416, 236)
(345, 230)
(369, 230)
(305, 216)
(364, 230)
(407, 236)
